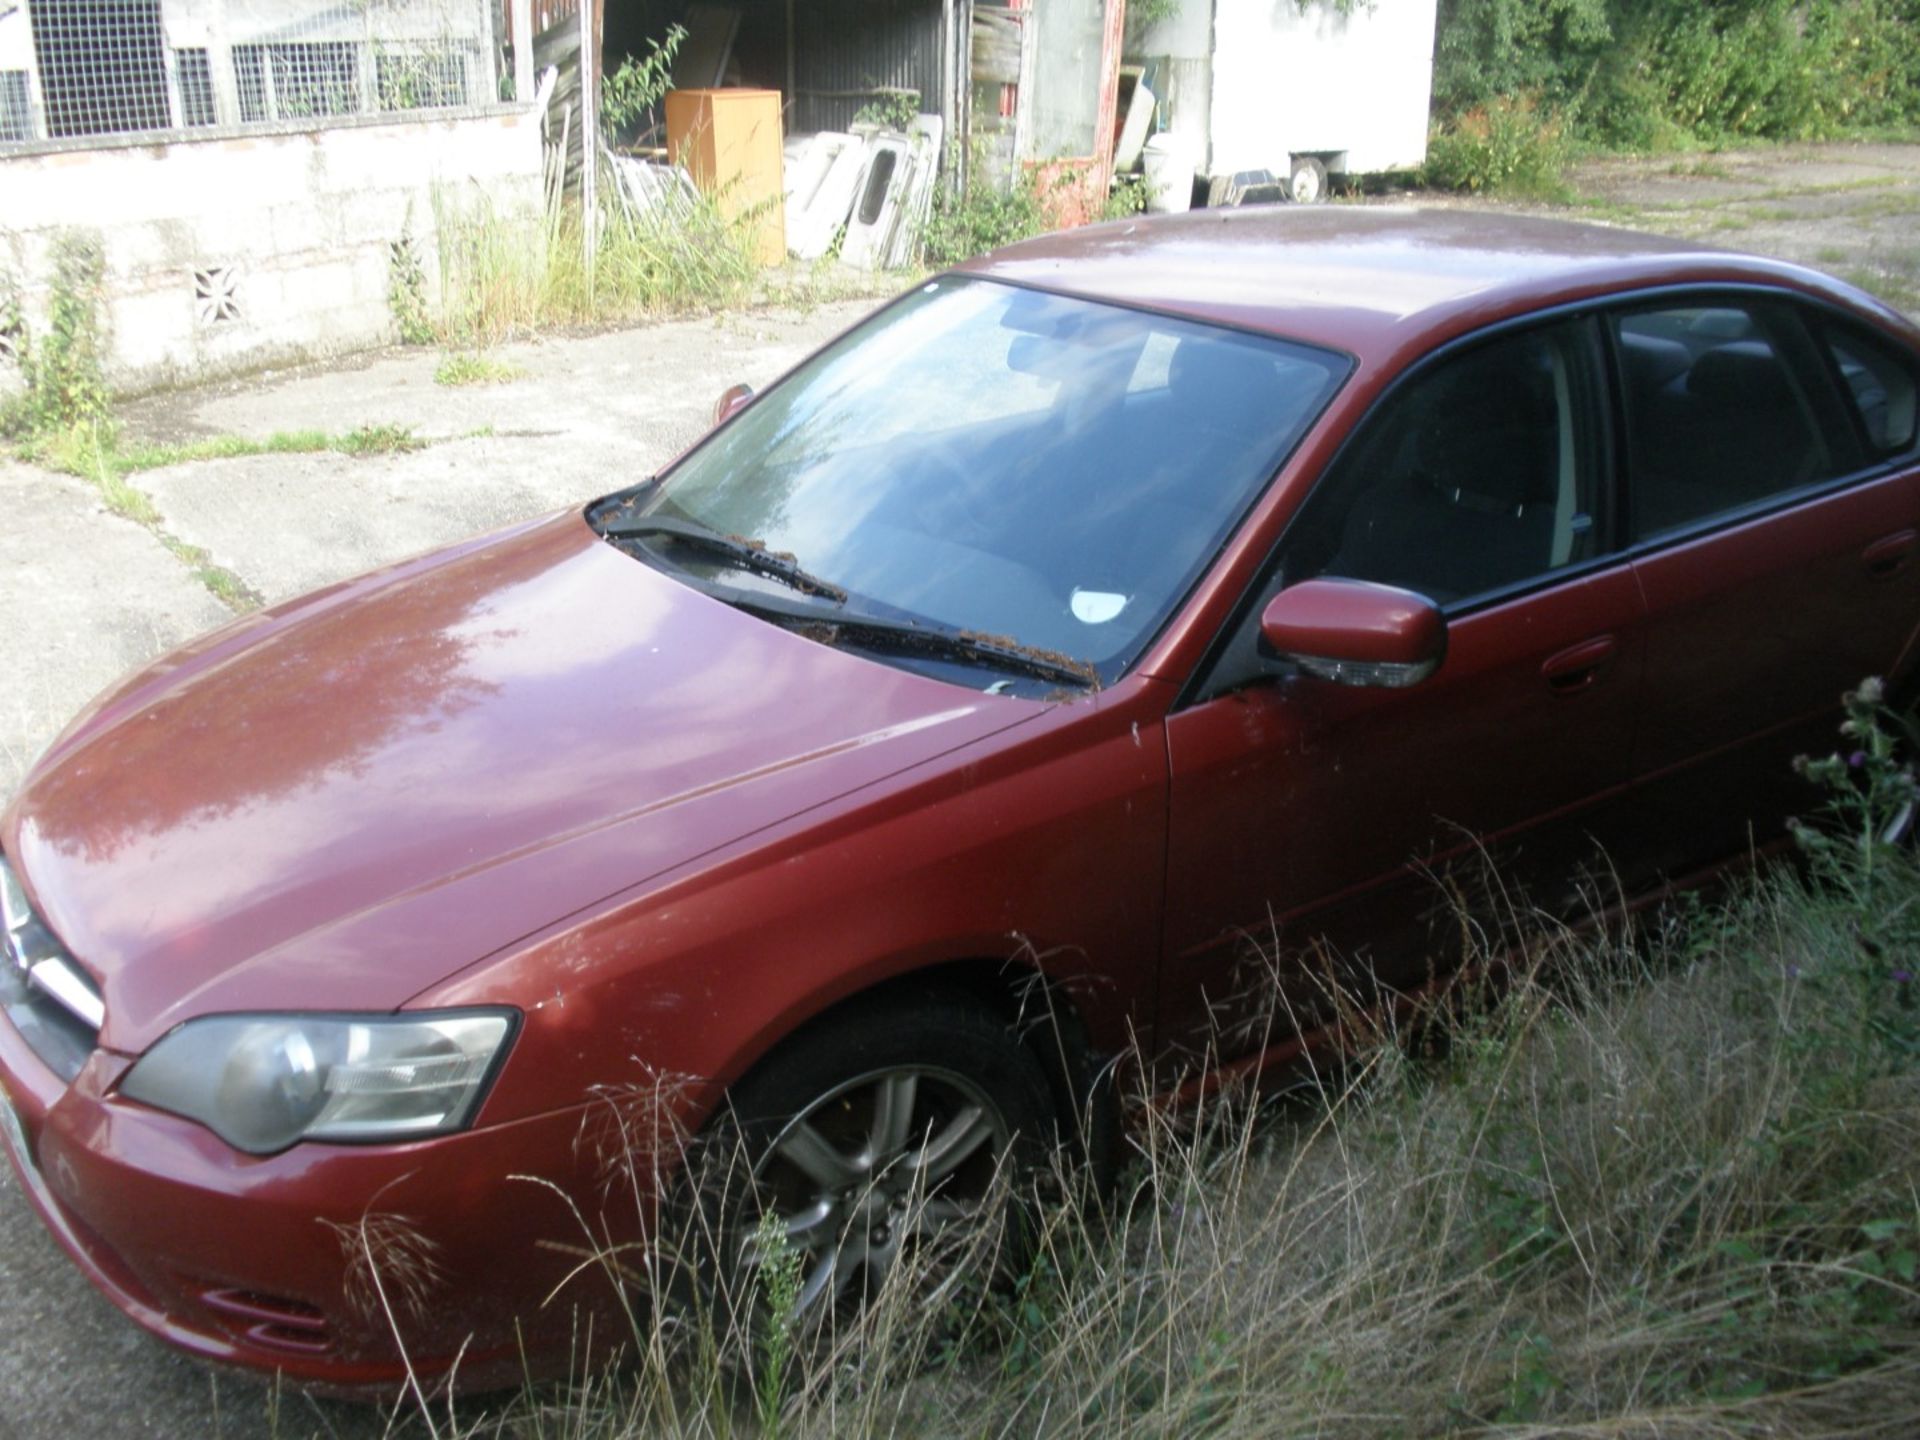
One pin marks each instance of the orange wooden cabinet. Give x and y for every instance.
(729, 141)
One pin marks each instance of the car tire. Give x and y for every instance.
(907, 1131)
(1307, 185)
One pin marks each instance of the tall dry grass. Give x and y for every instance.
(509, 273)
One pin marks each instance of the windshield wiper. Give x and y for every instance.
(745, 554)
(940, 642)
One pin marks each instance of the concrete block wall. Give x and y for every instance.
(293, 231)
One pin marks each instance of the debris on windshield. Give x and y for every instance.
(1068, 663)
(744, 551)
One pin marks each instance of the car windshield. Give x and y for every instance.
(1048, 473)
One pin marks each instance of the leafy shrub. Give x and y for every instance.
(980, 219)
(893, 110)
(1489, 48)
(637, 84)
(1507, 146)
(1128, 197)
(66, 388)
(1651, 73)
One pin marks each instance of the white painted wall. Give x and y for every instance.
(1258, 81)
(307, 220)
(1287, 81)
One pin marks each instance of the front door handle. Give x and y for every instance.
(1887, 555)
(1576, 668)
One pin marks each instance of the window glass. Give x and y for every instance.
(1006, 461)
(1880, 384)
(1476, 475)
(1716, 417)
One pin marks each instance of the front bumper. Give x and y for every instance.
(341, 1267)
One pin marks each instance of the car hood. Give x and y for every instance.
(340, 803)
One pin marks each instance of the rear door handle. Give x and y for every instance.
(1576, 668)
(1888, 554)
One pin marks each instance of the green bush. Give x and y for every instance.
(66, 388)
(1507, 146)
(980, 219)
(1655, 73)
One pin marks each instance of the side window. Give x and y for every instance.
(1879, 382)
(1717, 418)
(1476, 474)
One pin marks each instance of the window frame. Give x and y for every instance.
(1232, 660)
(1782, 317)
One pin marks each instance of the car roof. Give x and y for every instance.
(1378, 281)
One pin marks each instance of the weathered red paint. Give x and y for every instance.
(1354, 620)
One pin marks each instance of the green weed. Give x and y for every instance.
(378, 440)
(466, 368)
(65, 384)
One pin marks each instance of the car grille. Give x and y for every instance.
(271, 1321)
(52, 1003)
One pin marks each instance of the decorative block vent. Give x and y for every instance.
(216, 294)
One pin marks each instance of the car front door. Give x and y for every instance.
(1369, 837)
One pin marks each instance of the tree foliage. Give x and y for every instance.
(1649, 72)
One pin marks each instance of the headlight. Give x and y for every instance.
(262, 1082)
(14, 910)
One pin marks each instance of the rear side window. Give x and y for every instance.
(1717, 417)
(1879, 382)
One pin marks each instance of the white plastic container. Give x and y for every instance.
(1168, 165)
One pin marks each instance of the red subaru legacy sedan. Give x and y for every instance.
(1091, 619)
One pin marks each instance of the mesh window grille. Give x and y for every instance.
(194, 74)
(421, 79)
(16, 119)
(71, 69)
(298, 81)
(102, 65)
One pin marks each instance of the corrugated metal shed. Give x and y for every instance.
(845, 50)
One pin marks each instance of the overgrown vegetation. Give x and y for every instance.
(890, 110)
(407, 293)
(505, 275)
(629, 94)
(509, 273)
(1506, 146)
(1128, 197)
(979, 218)
(1662, 1180)
(1652, 74)
(65, 385)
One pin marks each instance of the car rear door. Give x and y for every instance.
(1320, 832)
(1773, 510)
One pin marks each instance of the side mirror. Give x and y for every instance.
(1354, 632)
(731, 399)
